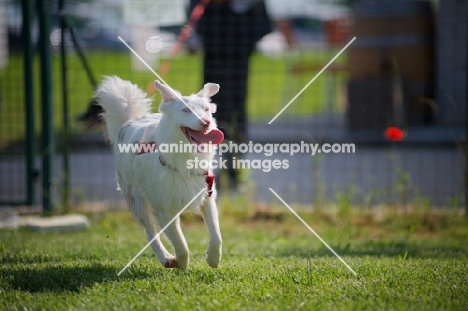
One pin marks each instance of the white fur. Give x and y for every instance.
(143, 179)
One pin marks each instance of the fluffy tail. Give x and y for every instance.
(121, 101)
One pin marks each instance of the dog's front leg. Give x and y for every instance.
(210, 216)
(177, 239)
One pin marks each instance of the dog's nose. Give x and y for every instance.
(205, 123)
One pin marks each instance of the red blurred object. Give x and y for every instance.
(394, 133)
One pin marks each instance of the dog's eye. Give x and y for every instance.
(186, 110)
(207, 109)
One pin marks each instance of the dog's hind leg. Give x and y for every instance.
(210, 216)
(176, 237)
(143, 216)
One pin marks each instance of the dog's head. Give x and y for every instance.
(193, 114)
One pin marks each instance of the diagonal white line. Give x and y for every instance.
(160, 232)
(160, 78)
(310, 82)
(313, 231)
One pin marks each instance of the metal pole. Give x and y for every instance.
(31, 172)
(48, 146)
(466, 126)
(82, 57)
(65, 119)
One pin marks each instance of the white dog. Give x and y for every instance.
(162, 179)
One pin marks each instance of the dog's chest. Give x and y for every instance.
(168, 189)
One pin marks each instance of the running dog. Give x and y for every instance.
(161, 184)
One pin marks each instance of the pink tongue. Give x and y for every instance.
(214, 136)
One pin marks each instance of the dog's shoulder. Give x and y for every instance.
(139, 127)
(143, 121)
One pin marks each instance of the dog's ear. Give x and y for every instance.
(209, 90)
(212, 107)
(167, 93)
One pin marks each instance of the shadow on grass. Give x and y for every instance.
(407, 249)
(29, 259)
(62, 277)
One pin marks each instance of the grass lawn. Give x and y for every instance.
(271, 86)
(404, 260)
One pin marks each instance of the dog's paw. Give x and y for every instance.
(213, 258)
(171, 263)
(183, 262)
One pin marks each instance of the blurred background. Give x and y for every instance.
(407, 69)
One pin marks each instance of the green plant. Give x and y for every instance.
(345, 198)
(402, 185)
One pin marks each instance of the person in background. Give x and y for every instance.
(229, 31)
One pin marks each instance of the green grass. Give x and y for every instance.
(271, 86)
(405, 261)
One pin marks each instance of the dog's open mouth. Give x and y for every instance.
(214, 136)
